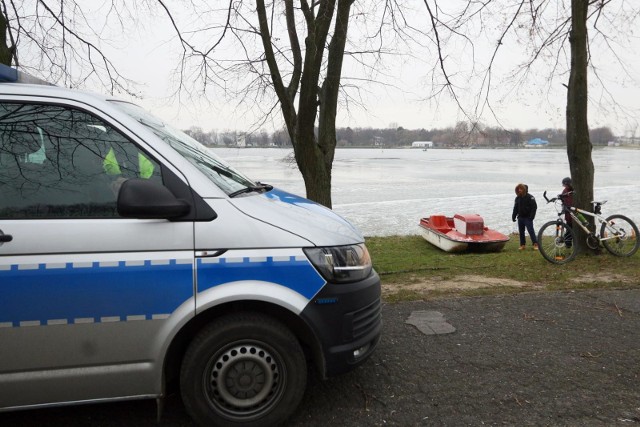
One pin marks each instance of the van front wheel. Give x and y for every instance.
(244, 369)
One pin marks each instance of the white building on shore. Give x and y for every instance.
(422, 144)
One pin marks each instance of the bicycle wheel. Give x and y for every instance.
(555, 241)
(619, 235)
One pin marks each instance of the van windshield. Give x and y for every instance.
(217, 170)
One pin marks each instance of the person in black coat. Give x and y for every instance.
(567, 189)
(524, 209)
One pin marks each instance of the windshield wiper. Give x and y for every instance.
(221, 171)
(259, 187)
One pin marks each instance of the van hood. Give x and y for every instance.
(309, 220)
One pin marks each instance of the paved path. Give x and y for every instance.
(531, 359)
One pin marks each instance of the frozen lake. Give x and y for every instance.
(386, 191)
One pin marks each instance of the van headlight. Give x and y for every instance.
(341, 264)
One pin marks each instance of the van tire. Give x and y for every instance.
(243, 369)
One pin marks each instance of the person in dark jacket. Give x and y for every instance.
(567, 188)
(524, 209)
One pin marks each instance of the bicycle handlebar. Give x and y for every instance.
(559, 196)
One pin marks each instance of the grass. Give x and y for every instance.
(403, 262)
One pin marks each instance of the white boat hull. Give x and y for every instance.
(443, 242)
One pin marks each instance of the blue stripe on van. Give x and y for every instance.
(42, 293)
(296, 274)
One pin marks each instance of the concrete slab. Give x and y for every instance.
(430, 322)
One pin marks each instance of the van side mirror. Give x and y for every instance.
(141, 198)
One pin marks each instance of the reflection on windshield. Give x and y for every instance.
(216, 169)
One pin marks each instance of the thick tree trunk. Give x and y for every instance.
(316, 175)
(317, 180)
(578, 143)
(310, 159)
(313, 153)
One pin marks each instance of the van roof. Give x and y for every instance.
(48, 91)
(14, 82)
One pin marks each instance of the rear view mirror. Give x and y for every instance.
(141, 198)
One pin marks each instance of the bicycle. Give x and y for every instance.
(618, 234)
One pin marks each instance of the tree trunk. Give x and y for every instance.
(305, 142)
(317, 177)
(329, 104)
(578, 143)
(313, 153)
(6, 51)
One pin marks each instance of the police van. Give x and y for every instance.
(135, 262)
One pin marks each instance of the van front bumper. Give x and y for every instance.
(347, 321)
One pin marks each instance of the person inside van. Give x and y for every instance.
(111, 167)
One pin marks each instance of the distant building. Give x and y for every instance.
(422, 144)
(536, 142)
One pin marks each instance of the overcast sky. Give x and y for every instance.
(149, 54)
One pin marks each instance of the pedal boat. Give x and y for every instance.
(462, 232)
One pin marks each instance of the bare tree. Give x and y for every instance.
(578, 143)
(544, 29)
(287, 57)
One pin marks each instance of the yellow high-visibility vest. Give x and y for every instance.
(145, 167)
(112, 167)
(110, 164)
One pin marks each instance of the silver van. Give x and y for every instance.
(134, 262)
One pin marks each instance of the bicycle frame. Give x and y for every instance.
(576, 221)
(617, 233)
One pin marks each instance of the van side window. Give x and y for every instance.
(58, 162)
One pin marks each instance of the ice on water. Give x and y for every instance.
(386, 191)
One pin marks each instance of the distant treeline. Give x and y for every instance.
(462, 135)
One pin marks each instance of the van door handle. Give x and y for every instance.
(4, 238)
